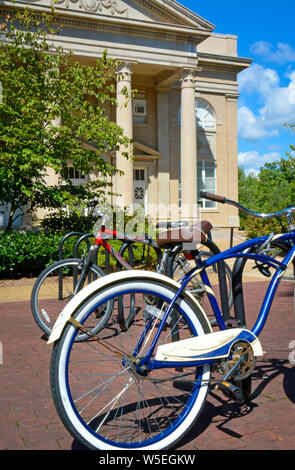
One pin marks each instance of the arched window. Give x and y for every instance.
(206, 154)
(205, 115)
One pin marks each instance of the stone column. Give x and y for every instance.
(124, 183)
(163, 148)
(188, 145)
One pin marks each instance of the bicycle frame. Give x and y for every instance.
(200, 268)
(100, 240)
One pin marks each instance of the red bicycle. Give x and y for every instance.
(59, 282)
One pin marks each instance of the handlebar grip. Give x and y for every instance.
(213, 197)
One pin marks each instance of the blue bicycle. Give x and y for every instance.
(145, 387)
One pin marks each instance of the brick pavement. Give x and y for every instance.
(28, 419)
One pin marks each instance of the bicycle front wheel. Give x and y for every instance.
(102, 398)
(54, 288)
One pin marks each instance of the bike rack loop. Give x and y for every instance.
(61, 243)
(77, 244)
(60, 257)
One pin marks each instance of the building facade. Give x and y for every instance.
(183, 119)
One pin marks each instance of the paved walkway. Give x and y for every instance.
(28, 419)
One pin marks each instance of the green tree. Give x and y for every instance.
(247, 193)
(271, 190)
(51, 108)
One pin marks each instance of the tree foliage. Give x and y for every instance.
(272, 190)
(52, 107)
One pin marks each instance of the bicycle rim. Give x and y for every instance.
(103, 400)
(55, 287)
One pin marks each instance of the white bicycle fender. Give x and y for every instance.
(104, 281)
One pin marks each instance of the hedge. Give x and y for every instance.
(26, 254)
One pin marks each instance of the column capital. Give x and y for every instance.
(188, 77)
(124, 70)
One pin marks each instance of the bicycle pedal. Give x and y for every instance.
(231, 391)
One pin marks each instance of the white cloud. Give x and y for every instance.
(277, 102)
(251, 161)
(252, 171)
(258, 79)
(275, 148)
(291, 76)
(283, 53)
(251, 127)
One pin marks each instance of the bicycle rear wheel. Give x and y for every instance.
(54, 288)
(102, 398)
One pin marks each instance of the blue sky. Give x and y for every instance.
(267, 88)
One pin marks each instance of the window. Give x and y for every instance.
(206, 182)
(139, 175)
(140, 108)
(74, 175)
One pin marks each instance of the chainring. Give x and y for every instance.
(240, 350)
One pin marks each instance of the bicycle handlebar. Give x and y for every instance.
(224, 200)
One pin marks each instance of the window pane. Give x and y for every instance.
(210, 164)
(71, 172)
(206, 180)
(210, 204)
(201, 184)
(210, 172)
(210, 184)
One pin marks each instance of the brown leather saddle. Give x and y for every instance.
(197, 234)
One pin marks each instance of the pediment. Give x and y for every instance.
(146, 11)
(141, 152)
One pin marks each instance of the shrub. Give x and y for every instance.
(24, 254)
(260, 227)
(60, 223)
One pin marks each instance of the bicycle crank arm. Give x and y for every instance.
(213, 346)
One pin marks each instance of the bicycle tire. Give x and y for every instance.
(109, 418)
(48, 297)
(129, 245)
